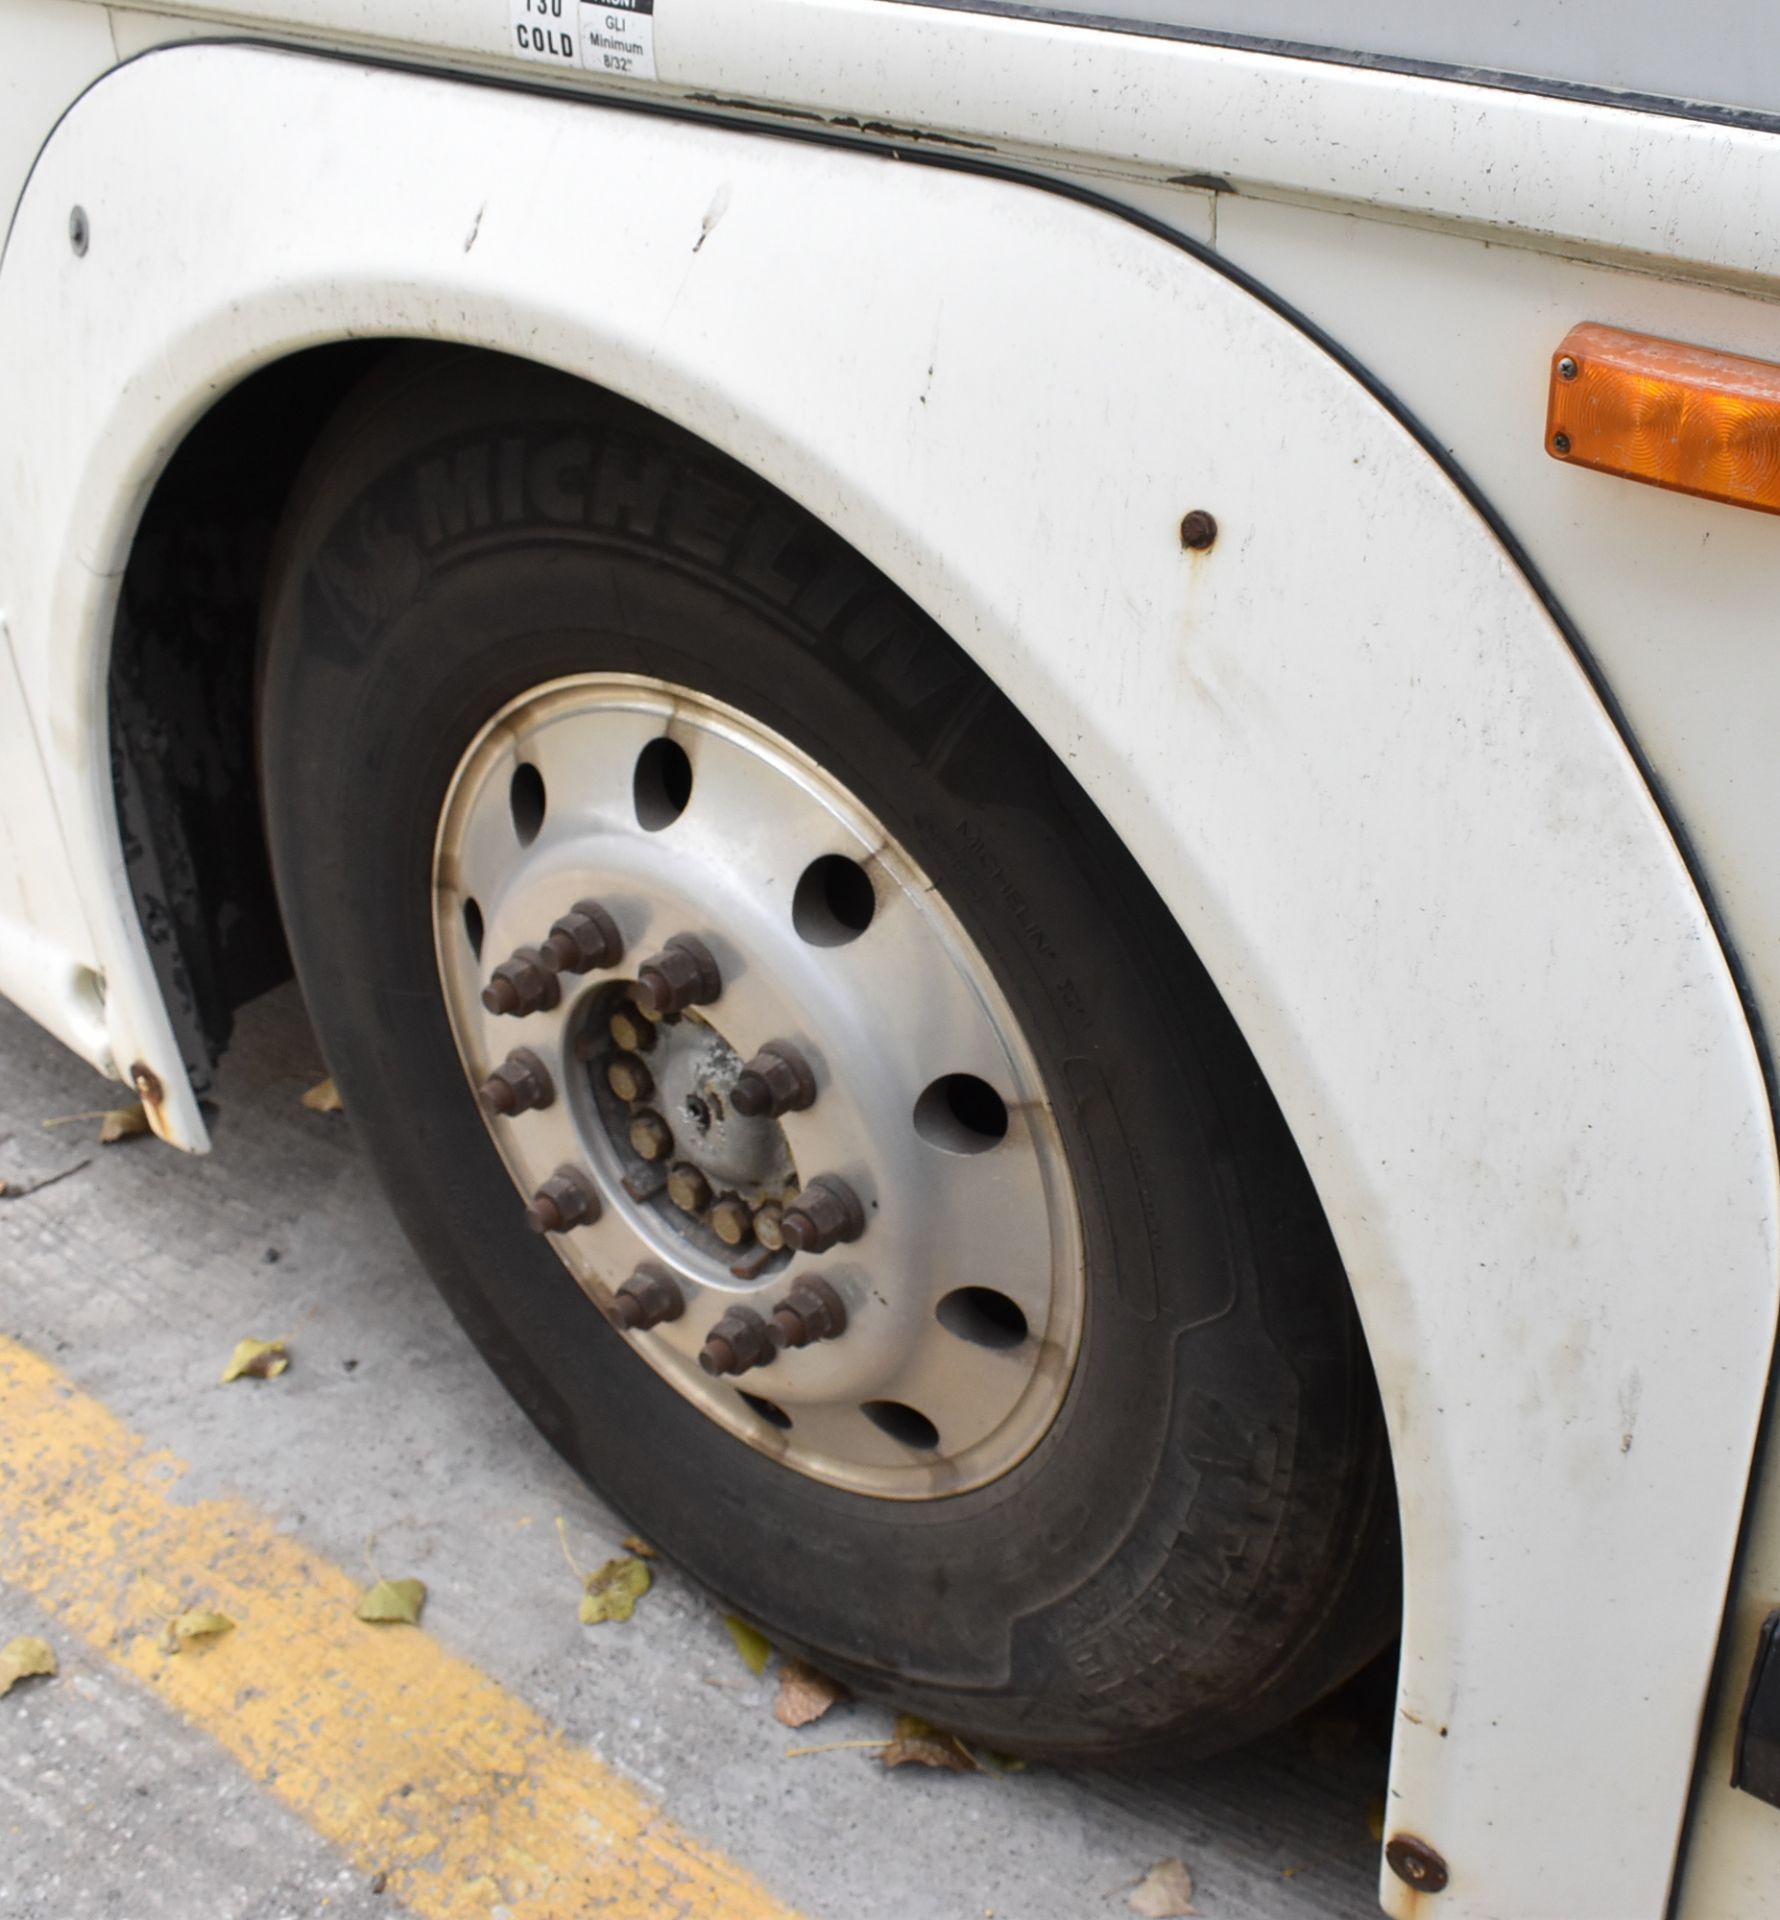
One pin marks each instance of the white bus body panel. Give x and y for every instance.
(1348, 745)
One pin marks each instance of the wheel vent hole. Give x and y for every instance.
(834, 901)
(663, 784)
(961, 1114)
(983, 1317)
(769, 1411)
(902, 1423)
(526, 797)
(473, 926)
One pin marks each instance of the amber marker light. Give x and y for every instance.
(1674, 416)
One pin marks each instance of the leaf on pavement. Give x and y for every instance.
(323, 1099)
(25, 1659)
(199, 1624)
(641, 1548)
(393, 1603)
(753, 1645)
(122, 1123)
(256, 1360)
(614, 1590)
(916, 1744)
(1164, 1893)
(805, 1694)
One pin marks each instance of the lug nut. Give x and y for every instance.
(525, 984)
(584, 938)
(567, 1199)
(629, 1078)
(689, 1190)
(649, 1137)
(644, 1301)
(683, 974)
(518, 1084)
(769, 1225)
(777, 1080)
(737, 1342)
(632, 1029)
(731, 1220)
(812, 1310)
(824, 1214)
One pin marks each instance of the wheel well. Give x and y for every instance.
(184, 753)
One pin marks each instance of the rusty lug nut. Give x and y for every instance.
(769, 1225)
(644, 1301)
(632, 1029)
(1416, 1863)
(683, 974)
(824, 1214)
(567, 1199)
(518, 1084)
(1198, 530)
(812, 1310)
(650, 1138)
(629, 1078)
(689, 1190)
(737, 1342)
(525, 984)
(584, 938)
(732, 1221)
(777, 1080)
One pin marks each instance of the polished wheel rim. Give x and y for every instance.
(757, 1086)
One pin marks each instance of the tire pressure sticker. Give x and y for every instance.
(615, 37)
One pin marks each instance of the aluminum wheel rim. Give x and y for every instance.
(963, 1294)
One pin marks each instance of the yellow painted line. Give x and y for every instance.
(411, 1760)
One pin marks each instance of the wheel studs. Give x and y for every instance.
(584, 938)
(632, 1029)
(644, 1301)
(520, 1083)
(629, 1078)
(777, 1080)
(567, 1199)
(824, 1214)
(683, 974)
(769, 1225)
(731, 1220)
(525, 984)
(812, 1310)
(689, 1190)
(737, 1342)
(649, 1137)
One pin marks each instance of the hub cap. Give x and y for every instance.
(758, 1085)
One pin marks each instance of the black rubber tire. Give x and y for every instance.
(1205, 1540)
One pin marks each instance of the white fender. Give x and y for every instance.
(1348, 744)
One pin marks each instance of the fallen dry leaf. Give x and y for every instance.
(393, 1603)
(25, 1659)
(753, 1645)
(122, 1123)
(805, 1695)
(1164, 1893)
(614, 1590)
(641, 1548)
(916, 1744)
(199, 1624)
(256, 1360)
(323, 1099)
(1002, 1762)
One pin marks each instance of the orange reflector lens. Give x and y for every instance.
(1667, 414)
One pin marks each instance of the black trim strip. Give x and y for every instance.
(810, 129)
(1714, 113)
